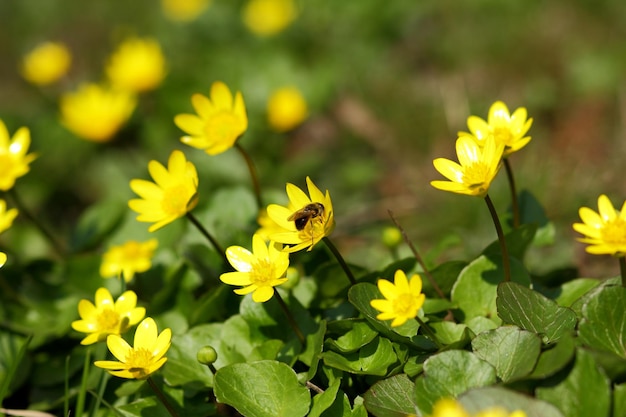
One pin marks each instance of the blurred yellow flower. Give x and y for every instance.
(3, 259)
(106, 316)
(6, 216)
(137, 65)
(46, 63)
(605, 231)
(184, 10)
(172, 194)
(268, 226)
(14, 162)
(403, 298)
(268, 17)
(96, 113)
(258, 271)
(305, 220)
(286, 109)
(128, 259)
(142, 360)
(507, 129)
(448, 407)
(478, 167)
(219, 122)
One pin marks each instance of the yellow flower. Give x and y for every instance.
(403, 298)
(286, 109)
(6, 216)
(448, 407)
(137, 65)
(219, 122)
(305, 220)
(142, 360)
(3, 259)
(268, 17)
(106, 316)
(505, 128)
(478, 167)
(13, 158)
(172, 194)
(183, 10)
(46, 63)
(128, 259)
(258, 271)
(96, 113)
(605, 231)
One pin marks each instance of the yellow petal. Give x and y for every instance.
(146, 334)
(202, 105)
(236, 278)
(118, 347)
(606, 209)
(387, 289)
(240, 258)
(297, 197)
(190, 123)
(221, 96)
(262, 294)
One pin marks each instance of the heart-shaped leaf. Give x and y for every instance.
(604, 323)
(391, 397)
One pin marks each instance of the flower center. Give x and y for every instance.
(175, 200)
(313, 231)
(477, 176)
(222, 127)
(614, 232)
(262, 274)
(503, 135)
(108, 321)
(139, 360)
(404, 305)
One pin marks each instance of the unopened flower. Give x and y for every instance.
(477, 167)
(286, 109)
(96, 113)
(144, 358)
(107, 317)
(137, 65)
(604, 231)
(184, 10)
(46, 64)
(172, 194)
(220, 120)
(506, 129)
(14, 160)
(305, 220)
(128, 259)
(6, 216)
(448, 407)
(268, 17)
(403, 298)
(259, 271)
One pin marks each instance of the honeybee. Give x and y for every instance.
(310, 211)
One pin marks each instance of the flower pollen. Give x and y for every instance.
(175, 200)
(108, 320)
(139, 359)
(614, 232)
(223, 126)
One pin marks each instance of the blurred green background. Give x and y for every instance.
(388, 83)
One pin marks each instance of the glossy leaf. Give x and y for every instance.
(604, 323)
(372, 359)
(555, 357)
(391, 397)
(325, 400)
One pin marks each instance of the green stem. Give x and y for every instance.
(80, 401)
(429, 332)
(290, 319)
(103, 383)
(253, 174)
(514, 202)
(66, 400)
(206, 234)
(340, 259)
(162, 398)
(622, 269)
(505, 253)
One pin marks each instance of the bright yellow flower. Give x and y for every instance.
(128, 259)
(448, 407)
(268, 17)
(3, 259)
(96, 113)
(507, 129)
(258, 271)
(478, 167)
(137, 65)
(268, 226)
(605, 231)
(403, 298)
(219, 122)
(142, 360)
(286, 109)
(184, 10)
(172, 194)
(13, 158)
(6, 216)
(46, 63)
(305, 220)
(106, 316)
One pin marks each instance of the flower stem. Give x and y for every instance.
(429, 332)
(80, 401)
(514, 202)
(505, 253)
(622, 269)
(253, 174)
(290, 319)
(162, 398)
(340, 259)
(208, 235)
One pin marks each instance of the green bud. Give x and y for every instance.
(206, 355)
(392, 237)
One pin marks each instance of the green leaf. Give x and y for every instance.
(323, 401)
(450, 333)
(142, 407)
(372, 359)
(584, 392)
(517, 242)
(532, 311)
(512, 351)
(313, 349)
(603, 325)
(480, 399)
(391, 397)
(475, 290)
(262, 389)
(555, 357)
(96, 223)
(531, 212)
(13, 349)
(571, 291)
(450, 373)
(355, 334)
(182, 366)
(445, 275)
(619, 400)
